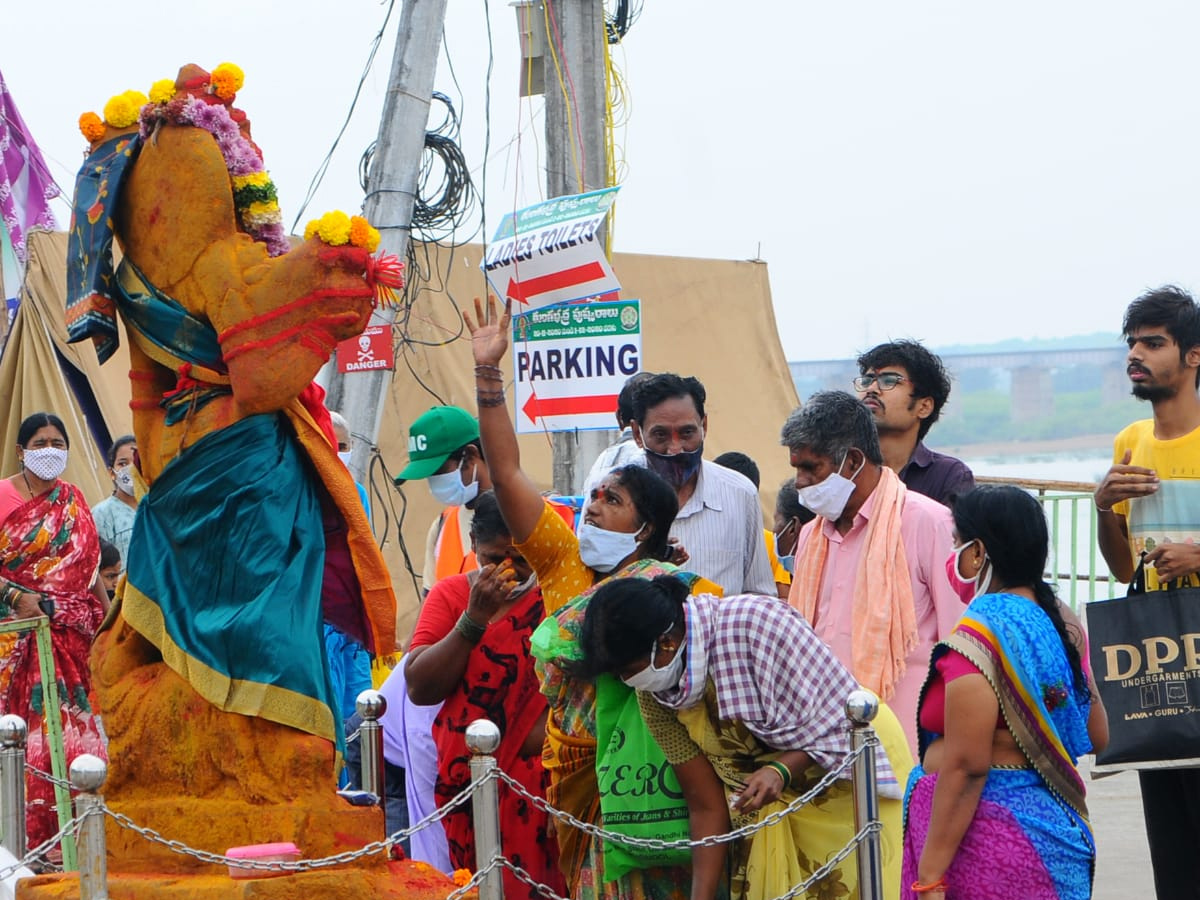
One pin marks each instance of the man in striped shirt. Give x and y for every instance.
(719, 522)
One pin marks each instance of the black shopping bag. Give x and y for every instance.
(1145, 655)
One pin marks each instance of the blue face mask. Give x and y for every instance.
(675, 468)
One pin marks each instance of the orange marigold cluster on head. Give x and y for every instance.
(362, 234)
(92, 127)
(227, 79)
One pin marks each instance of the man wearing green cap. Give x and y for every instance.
(444, 449)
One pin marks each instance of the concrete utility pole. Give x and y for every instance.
(573, 145)
(391, 191)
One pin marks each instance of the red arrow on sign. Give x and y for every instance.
(540, 407)
(521, 291)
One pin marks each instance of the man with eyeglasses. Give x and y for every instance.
(905, 387)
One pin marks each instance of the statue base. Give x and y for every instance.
(383, 879)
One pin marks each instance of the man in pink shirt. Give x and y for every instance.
(870, 570)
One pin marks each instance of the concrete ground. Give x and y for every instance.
(1122, 855)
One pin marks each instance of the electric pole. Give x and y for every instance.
(576, 162)
(391, 191)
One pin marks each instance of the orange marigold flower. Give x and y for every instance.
(227, 79)
(362, 234)
(461, 876)
(92, 127)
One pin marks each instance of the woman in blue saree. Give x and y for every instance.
(996, 809)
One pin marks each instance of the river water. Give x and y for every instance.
(1083, 575)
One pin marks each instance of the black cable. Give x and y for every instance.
(618, 23)
(319, 175)
(377, 463)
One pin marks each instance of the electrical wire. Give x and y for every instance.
(618, 23)
(319, 175)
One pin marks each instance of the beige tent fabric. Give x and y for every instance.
(709, 318)
(32, 380)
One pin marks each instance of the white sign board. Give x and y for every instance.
(571, 361)
(551, 253)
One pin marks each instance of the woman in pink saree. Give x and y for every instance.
(49, 559)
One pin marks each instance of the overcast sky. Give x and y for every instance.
(955, 172)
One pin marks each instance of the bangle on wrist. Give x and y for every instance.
(489, 399)
(939, 885)
(469, 629)
(489, 373)
(783, 771)
(1099, 508)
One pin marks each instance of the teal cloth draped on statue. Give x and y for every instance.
(242, 625)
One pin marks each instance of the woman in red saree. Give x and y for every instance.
(471, 649)
(49, 551)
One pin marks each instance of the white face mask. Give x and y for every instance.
(124, 480)
(653, 680)
(47, 463)
(828, 498)
(449, 490)
(604, 550)
(344, 456)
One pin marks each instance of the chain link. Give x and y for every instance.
(37, 852)
(540, 803)
(616, 837)
(46, 776)
(477, 878)
(299, 865)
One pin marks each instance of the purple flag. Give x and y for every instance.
(26, 187)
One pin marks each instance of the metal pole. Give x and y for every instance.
(87, 776)
(12, 784)
(371, 705)
(391, 189)
(576, 161)
(483, 737)
(861, 709)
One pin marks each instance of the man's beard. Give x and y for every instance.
(1153, 392)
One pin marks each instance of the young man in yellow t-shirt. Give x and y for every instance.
(1149, 501)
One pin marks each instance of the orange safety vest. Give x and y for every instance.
(450, 557)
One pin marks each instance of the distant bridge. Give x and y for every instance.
(1032, 386)
(960, 362)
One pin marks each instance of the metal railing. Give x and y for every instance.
(1075, 564)
(483, 738)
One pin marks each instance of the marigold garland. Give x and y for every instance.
(255, 197)
(92, 127)
(226, 80)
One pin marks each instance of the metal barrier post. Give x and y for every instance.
(483, 737)
(371, 705)
(87, 776)
(12, 784)
(861, 708)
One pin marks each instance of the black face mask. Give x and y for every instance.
(675, 468)
(112, 594)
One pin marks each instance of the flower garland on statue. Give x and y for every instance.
(255, 198)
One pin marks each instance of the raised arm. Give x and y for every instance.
(520, 500)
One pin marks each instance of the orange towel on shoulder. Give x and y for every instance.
(883, 618)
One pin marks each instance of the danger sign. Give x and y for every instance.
(370, 350)
(571, 361)
(551, 252)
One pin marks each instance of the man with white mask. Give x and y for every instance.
(870, 570)
(444, 450)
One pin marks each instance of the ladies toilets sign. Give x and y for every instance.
(551, 252)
